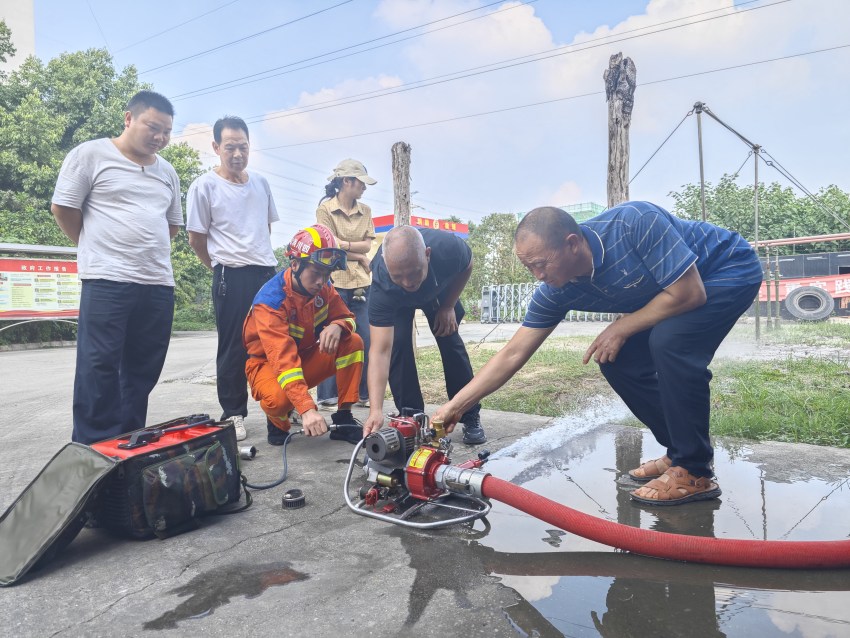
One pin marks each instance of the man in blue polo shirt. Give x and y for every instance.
(426, 269)
(683, 284)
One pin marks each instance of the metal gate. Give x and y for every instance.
(507, 303)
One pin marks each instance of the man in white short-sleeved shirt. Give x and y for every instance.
(120, 203)
(229, 217)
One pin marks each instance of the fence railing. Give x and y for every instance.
(507, 303)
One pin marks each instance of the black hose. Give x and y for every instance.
(265, 486)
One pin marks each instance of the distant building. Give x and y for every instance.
(19, 16)
(580, 212)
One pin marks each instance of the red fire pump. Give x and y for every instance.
(408, 472)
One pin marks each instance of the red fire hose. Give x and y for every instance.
(715, 551)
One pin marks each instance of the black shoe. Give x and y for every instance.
(347, 427)
(276, 436)
(473, 433)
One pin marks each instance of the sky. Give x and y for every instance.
(503, 103)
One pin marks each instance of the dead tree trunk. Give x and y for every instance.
(401, 183)
(401, 199)
(620, 81)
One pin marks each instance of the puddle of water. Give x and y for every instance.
(576, 587)
(210, 590)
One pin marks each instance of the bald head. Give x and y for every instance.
(547, 223)
(406, 257)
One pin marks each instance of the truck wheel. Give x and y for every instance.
(809, 303)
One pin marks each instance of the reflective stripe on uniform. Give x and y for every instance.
(320, 316)
(352, 323)
(296, 331)
(347, 360)
(288, 376)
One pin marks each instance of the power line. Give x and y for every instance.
(321, 172)
(97, 23)
(468, 210)
(237, 81)
(552, 101)
(176, 26)
(497, 66)
(264, 172)
(240, 40)
(774, 163)
(746, 159)
(659, 148)
(214, 88)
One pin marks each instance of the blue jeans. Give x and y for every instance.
(662, 374)
(122, 339)
(326, 390)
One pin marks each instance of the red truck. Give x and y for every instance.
(810, 287)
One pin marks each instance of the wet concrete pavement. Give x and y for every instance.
(323, 571)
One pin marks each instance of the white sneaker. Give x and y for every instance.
(238, 422)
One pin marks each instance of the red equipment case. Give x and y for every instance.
(167, 476)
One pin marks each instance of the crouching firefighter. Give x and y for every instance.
(298, 333)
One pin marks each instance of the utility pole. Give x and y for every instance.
(401, 183)
(401, 200)
(620, 83)
(698, 110)
(756, 148)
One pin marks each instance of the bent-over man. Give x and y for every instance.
(684, 285)
(426, 269)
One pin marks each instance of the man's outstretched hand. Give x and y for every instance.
(374, 422)
(448, 415)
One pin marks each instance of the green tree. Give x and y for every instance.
(492, 241)
(48, 109)
(782, 213)
(7, 49)
(192, 279)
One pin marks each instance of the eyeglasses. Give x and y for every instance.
(332, 258)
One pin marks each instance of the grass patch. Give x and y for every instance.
(191, 318)
(801, 399)
(796, 400)
(826, 333)
(552, 383)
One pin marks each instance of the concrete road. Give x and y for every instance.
(324, 571)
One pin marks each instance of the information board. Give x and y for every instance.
(39, 289)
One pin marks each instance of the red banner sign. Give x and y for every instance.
(385, 222)
(39, 289)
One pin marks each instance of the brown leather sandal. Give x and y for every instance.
(677, 486)
(651, 469)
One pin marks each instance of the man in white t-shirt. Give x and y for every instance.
(229, 217)
(120, 203)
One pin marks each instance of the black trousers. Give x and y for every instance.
(231, 304)
(662, 374)
(122, 339)
(404, 379)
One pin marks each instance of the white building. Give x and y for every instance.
(19, 16)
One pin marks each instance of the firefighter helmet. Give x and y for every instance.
(317, 244)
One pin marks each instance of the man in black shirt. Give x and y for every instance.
(426, 269)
